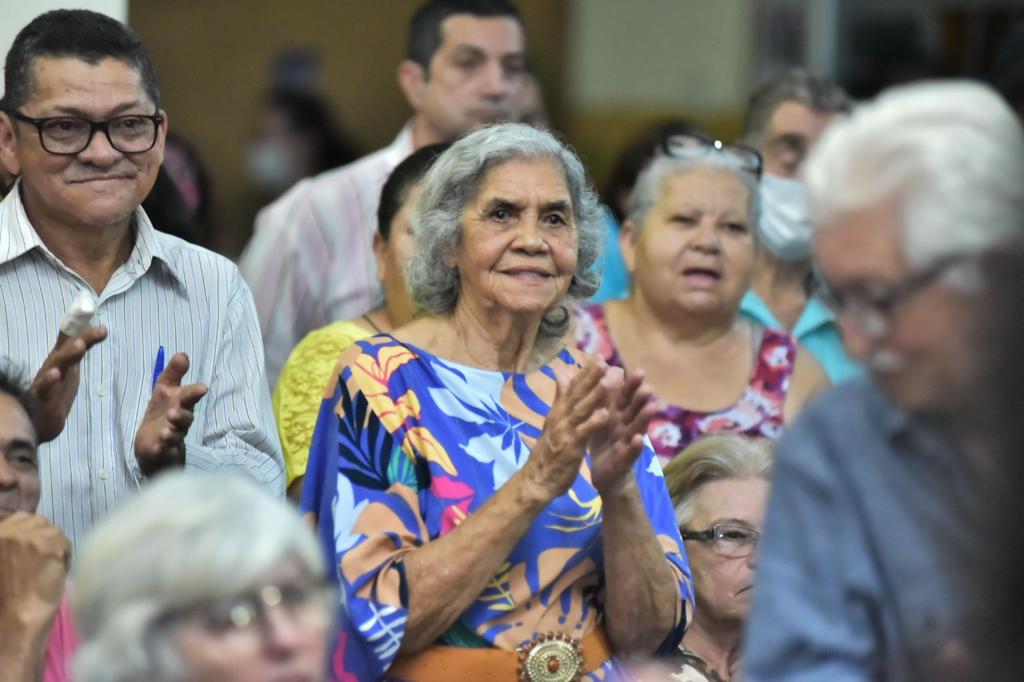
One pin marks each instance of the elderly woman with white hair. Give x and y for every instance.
(719, 486)
(487, 495)
(202, 578)
(689, 245)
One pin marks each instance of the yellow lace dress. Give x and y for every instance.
(300, 389)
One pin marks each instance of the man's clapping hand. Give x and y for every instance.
(56, 384)
(160, 440)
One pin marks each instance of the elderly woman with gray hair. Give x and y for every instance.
(719, 486)
(487, 495)
(202, 578)
(689, 245)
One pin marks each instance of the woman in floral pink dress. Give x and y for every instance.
(689, 245)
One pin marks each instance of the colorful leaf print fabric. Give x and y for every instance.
(407, 445)
(758, 413)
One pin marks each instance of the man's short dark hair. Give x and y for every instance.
(425, 28)
(78, 33)
(13, 384)
(820, 94)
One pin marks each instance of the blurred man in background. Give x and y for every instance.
(310, 261)
(876, 497)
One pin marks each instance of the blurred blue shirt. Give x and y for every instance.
(870, 520)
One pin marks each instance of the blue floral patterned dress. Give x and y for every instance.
(406, 446)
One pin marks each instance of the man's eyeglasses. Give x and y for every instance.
(872, 310)
(692, 145)
(302, 603)
(70, 135)
(727, 539)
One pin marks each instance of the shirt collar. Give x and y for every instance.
(149, 247)
(18, 237)
(907, 434)
(895, 421)
(16, 234)
(814, 315)
(401, 146)
(752, 305)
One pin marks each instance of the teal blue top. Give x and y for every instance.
(615, 276)
(816, 330)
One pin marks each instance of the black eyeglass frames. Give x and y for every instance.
(70, 135)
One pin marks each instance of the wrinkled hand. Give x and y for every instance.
(579, 410)
(616, 444)
(56, 384)
(160, 440)
(33, 565)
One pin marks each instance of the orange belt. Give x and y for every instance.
(549, 657)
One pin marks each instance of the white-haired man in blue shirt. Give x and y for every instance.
(876, 492)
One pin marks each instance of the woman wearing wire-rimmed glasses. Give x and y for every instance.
(689, 245)
(719, 487)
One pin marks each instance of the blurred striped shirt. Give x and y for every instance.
(169, 293)
(310, 261)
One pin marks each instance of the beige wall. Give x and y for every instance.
(635, 63)
(686, 54)
(17, 13)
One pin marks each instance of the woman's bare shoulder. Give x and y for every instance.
(809, 379)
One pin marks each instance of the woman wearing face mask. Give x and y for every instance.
(689, 245)
(719, 487)
(300, 388)
(785, 118)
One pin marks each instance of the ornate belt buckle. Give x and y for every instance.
(554, 657)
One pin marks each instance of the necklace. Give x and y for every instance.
(372, 325)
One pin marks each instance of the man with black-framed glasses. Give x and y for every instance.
(175, 376)
(878, 488)
(72, 135)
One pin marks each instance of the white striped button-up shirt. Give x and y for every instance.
(169, 293)
(310, 261)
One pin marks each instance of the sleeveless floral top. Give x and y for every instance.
(758, 413)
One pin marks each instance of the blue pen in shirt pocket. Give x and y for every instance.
(158, 368)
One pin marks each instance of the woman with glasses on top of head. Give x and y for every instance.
(689, 245)
(719, 487)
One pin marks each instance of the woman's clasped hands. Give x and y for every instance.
(601, 410)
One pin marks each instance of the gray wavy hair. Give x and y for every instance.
(652, 178)
(187, 538)
(455, 179)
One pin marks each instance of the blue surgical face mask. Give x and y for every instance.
(784, 228)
